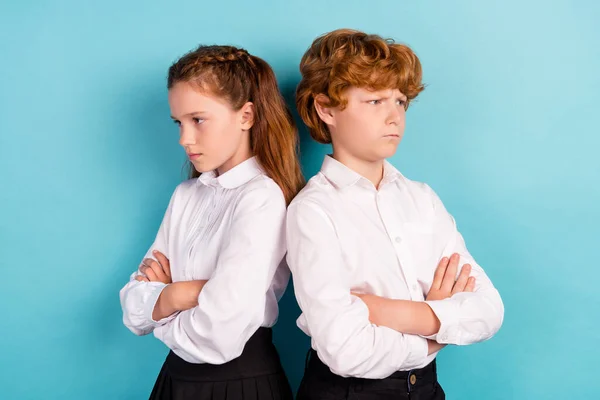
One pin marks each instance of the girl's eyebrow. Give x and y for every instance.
(190, 114)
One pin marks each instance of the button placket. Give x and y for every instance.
(401, 250)
(406, 262)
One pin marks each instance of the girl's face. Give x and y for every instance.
(213, 135)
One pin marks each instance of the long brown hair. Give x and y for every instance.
(238, 77)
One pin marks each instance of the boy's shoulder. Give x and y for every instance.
(317, 191)
(417, 187)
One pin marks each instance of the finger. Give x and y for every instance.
(164, 262)
(149, 272)
(438, 277)
(470, 285)
(158, 271)
(461, 282)
(450, 275)
(152, 264)
(141, 278)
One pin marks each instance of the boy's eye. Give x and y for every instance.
(178, 123)
(375, 102)
(401, 102)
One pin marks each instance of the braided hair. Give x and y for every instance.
(238, 77)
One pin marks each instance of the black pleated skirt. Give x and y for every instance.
(257, 374)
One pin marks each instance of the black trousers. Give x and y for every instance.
(320, 383)
(255, 375)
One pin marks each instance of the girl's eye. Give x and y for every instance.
(176, 122)
(198, 120)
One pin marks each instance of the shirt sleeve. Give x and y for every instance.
(338, 322)
(231, 306)
(139, 298)
(465, 318)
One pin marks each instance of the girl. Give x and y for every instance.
(209, 285)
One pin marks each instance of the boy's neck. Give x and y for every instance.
(371, 170)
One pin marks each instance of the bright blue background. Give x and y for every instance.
(506, 132)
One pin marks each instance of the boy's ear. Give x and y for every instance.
(325, 112)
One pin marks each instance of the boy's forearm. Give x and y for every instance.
(410, 317)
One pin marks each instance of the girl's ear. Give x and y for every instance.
(247, 113)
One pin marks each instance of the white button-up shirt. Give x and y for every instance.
(345, 235)
(230, 230)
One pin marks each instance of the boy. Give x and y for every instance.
(375, 256)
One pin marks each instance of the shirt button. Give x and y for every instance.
(398, 240)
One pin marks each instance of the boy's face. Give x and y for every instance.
(371, 126)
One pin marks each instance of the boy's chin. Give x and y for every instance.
(386, 152)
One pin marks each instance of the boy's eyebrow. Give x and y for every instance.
(385, 97)
(377, 93)
(382, 92)
(400, 96)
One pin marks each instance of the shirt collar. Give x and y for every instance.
(390, 173)
(235, 177)
(342, 176)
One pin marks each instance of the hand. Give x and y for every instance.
(444, 284)
(155, 271)
(178, 296)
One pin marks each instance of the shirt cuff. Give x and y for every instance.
(447, 312)
(158, 287)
